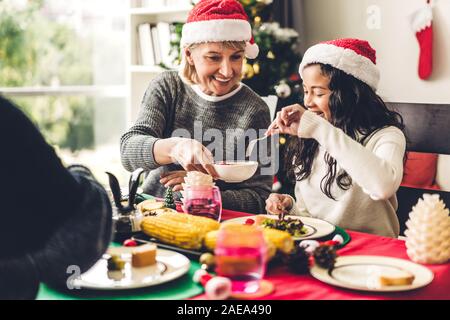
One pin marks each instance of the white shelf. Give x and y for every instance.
(160, 10)
(104, 91)
(139, 76)
(146, 69)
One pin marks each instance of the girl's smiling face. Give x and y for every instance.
(218, 67)
(317, 92)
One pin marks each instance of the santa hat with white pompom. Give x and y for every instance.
(353, 56)
(219, 21)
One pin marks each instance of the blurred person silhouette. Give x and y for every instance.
(51, 217)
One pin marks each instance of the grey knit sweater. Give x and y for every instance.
(170, 105)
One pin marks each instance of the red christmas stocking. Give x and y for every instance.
(422, 25)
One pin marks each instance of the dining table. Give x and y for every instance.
(289, 285)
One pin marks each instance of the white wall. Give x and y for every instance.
(396, 45)
(395, 42)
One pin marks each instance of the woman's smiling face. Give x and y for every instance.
(317, 92)
(218, 67)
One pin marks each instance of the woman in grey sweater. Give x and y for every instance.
(205, 104)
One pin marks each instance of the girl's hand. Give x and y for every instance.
(278, 203)
(287, 121)
(193, 156)
(173, 179)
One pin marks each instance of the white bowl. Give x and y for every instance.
(236, 171)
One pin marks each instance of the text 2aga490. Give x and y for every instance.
(245, 309)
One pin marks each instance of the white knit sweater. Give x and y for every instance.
(376, 169)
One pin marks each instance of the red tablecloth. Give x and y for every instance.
(289, 286)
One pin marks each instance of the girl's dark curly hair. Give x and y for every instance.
(358, 111)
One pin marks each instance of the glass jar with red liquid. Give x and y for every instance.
(204, 201)
(241, 256)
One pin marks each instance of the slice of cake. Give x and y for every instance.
(143, 256)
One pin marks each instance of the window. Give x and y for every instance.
(63, 63)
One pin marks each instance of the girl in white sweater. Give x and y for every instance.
(348, 160)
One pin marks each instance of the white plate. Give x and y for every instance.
(361, 273)
(170, 266)
(316, 228)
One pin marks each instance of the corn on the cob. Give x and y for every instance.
(206, 224)
(178, 229)
(281, 239)
(172, 232)
(210, 240)
(271, 250)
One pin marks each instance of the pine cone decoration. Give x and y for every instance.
(325, 256)
(428, 233)
(298, 260)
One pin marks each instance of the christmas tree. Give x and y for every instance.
(275, 70)
(168, 199)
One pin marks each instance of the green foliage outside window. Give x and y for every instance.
(35, 51)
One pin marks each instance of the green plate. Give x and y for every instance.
(142, 197)
(342, 232)
(181, 288)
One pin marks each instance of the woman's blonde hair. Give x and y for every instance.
(187, 71)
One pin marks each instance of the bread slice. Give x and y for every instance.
(150, 206)
(400, 278)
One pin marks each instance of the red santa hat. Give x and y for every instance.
(352, 56)
(218, 21)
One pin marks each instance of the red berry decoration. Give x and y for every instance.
(330, 243)
(216, 288)
(249, 222)
(130, 243)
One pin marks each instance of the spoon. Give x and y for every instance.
(252, 143)
(251, 146)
